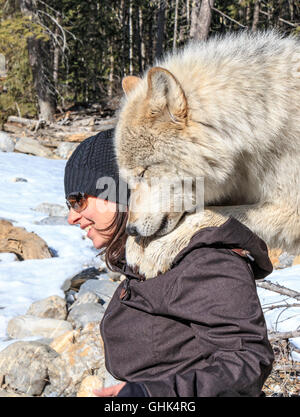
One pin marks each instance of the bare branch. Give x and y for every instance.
(294, 25)
(283, 335)
(272, 307)
(279, 289)
(228, 17)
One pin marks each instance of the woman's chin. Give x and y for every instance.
(98, 243)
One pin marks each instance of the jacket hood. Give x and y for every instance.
(233, 235)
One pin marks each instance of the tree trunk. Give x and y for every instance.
(255, 16)
(43, 87)
(194, 18)
(143, 46)
(139, 39)
(130, 39)
(124, 46)
(188, 12)
(175, 25)
(248, 14)
(201, 19)
(111, 71)
(150, 49)
(56, 56)
(160, 29)
(291, 9)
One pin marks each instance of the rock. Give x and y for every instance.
(296, 260)
(70, 297)
(274, 254)
(80, 355)
(114, 276)
(19, 179)
(87, 297)
(24, 366)
(52, 209)
(83, 314)
(6, 143)
(108, 379)
(63, 342)
(88, 384)
(286, 260)
(53, 307)
(54, 221)
(77, 137)
(8, 257)
(77, 280)
(103, 288)
(33, 147)
(4, 394)
(24, 244)
(27, 326)
(45, 340)
(65, 149)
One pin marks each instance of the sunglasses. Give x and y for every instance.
(77, 201)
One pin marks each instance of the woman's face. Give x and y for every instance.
(98, 214)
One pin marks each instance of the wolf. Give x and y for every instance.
(226, 110)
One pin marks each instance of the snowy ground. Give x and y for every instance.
(22, 283)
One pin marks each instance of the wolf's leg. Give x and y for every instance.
(276, 223)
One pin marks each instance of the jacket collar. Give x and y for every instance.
(232, 234)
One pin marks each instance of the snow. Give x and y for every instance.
(22, 283)
(284, 318)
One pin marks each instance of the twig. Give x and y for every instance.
(287, 368)
(279, 289)
(280, 306)
(228, 17)
(18, 109)
(294, 25)
(283, 335)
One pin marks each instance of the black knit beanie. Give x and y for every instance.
(92, 169)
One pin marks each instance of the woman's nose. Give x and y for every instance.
(73, 217)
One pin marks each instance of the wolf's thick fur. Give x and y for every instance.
(227, 110)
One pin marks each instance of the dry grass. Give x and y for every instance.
(284, 380)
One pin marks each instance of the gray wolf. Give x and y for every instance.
(228, 111)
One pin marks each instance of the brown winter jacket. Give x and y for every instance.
(198, 330)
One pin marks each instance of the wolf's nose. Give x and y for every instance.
(131, 230)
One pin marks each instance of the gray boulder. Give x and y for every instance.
(33, 147)
(53, 307)
(52, 209)
(53, 221)
(19, 179)
(27, 326)
(24, 366)
(80, 355)
(65, 149)
(103, 288)
(83, 314)
(6, 143)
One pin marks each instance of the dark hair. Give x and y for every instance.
(115, 249)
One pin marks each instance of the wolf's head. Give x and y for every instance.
(161, 153)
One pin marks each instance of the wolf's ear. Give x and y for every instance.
(129, 83)
(165, 91)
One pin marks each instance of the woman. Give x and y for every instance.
(198, 329)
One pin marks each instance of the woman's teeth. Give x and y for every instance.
(88, 228)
